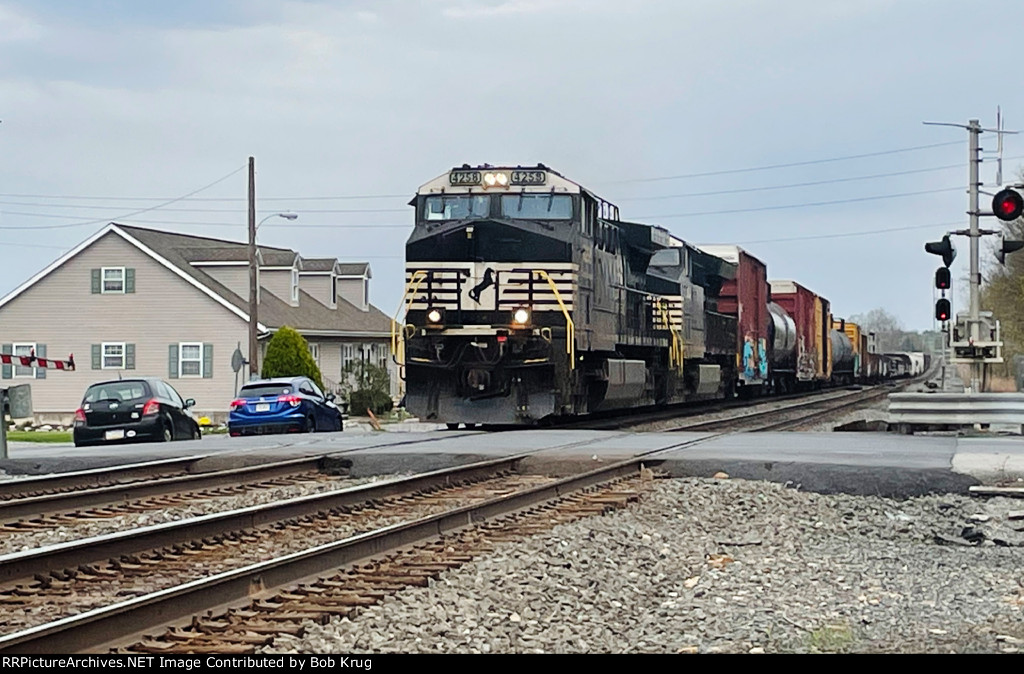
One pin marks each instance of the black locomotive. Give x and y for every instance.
(527, 297)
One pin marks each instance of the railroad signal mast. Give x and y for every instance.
(975, 338)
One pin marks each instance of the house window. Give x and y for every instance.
(113, 280)
(334, 289)
(24, 350)
(190, 359)
(295, 285)
(113, 356)
(382, 356)
(348, 356)
(314, 350)
(366, 292)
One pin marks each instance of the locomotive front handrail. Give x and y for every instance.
(413, 285)
(570, 327)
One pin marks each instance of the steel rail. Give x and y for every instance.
(148, 470)
(751, 415)
(120, 493)
(119, 623)
(26, 564)
(90, 477)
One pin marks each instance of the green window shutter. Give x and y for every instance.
(172, 361)
(96, 282)
(207, 361)
(129, 280)
(97, 357)
(129, 356)
(8, 371)
(40, 353)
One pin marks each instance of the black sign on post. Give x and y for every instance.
(15, 401)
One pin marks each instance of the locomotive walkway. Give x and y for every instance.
(855, 463)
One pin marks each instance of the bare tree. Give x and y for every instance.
(887, 328)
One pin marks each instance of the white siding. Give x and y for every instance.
(317, 285)
(235, 278)
(278, 282)
(354, 291)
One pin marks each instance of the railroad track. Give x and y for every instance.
(796, 415)
(67, 604)
(58, 504)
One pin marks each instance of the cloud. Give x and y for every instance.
(474, 9)
(18, 27)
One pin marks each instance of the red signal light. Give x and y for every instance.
(942, 310)
(1008, 204)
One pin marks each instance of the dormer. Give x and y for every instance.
(353, 280)
(228, 265)
(280, 273)
(319, 278)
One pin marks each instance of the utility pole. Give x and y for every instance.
(254, 350)
(978, 342)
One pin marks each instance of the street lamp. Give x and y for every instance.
(254, 351)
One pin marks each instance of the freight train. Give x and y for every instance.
(529, 298)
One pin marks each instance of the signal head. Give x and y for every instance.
(942, 278)
(944, 248)
(942, 310)
(1007, 246)
(1008, 204)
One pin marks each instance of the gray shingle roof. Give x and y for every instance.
(318, 263)
(353, 268)
(183, 249)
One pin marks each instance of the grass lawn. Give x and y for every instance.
(39, 436)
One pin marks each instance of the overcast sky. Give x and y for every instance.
(109, 107)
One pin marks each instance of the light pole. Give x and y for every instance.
(254, 351)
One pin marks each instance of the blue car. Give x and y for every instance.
(285, 405)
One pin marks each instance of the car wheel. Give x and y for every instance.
(166, 435)
(452, 427)
(196, 433)
(309, 426)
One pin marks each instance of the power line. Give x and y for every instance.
(239, 211)
(790, 206)
(133, 213)
(107, 198)
(848, 234)
(742, 190)
(789, 165)
(406, 194)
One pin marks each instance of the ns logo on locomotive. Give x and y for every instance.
(527, 297)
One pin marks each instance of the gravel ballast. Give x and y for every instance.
(704, 565)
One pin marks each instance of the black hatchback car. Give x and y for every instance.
(134, 410)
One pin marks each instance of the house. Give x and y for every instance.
(135, 301)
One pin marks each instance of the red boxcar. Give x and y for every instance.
(813, 321)
(746, 298)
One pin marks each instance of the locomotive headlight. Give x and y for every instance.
(521, 316)
(435, 316)
(495, 179)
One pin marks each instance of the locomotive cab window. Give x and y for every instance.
(456, 207)
(537, 206)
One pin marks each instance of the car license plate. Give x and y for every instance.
(114, 435)
(262, 407)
